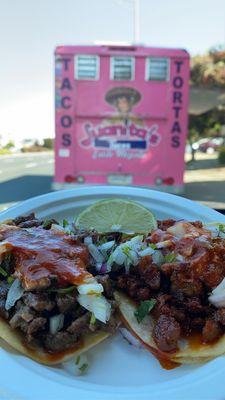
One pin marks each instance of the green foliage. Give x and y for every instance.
(9, 145)
(221, 155)
(48, 143)
(4, 151)
(208, 70)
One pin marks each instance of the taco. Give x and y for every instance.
(173, 300)
(51, 306)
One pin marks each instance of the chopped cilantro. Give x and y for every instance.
(63, 290)
(83, 367)
(93, 319)
(144, 308)
(153, 246)
(47, 224)
(10, 279)
(221, 228)
(77, 360)
(65, 223)
(3, 272)
(170, 257)
(126, 250)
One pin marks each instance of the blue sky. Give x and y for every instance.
(30, 30)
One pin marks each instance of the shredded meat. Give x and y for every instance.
(166, 333)
(211, 331)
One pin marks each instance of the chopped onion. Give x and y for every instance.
(88, 240)
(130, 338)
(96, 254)
(103, 268)
(217, 298)
(58, 228)
(146, 252)
(127, 265)
(56, 323)
(133, 257)
(178, 229)
(106, 246)
(15, 292)
(219, 288)
(136, 240)
(180, 258)
(158, 258)
(90, 288)
(119, 256)
(76, 366)
(98, 305)
(165, 243)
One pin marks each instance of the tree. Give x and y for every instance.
(48, 143)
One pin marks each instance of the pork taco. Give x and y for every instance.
(170, 282)
(173, 300)
(51, 306)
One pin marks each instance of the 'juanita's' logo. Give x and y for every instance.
(128, 136)
(123, 130)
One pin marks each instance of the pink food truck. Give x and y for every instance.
(121, 116)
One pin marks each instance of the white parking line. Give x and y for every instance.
(30, 165)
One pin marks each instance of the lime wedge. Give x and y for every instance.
(116, 215)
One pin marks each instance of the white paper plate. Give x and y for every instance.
(118, 370)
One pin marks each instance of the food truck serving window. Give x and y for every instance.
(86, 67)
(122, 68)
(157, 69)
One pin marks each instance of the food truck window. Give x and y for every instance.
(122, 68)
(86, 67)
(157, 69)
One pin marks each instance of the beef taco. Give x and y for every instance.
(51, 306)
(173, 300)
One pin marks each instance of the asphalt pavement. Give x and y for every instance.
(25, 175)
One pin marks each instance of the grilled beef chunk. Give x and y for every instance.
(80, 325)
(27, 221)
(38, 301)
(166, 333)
(165, 224)
(194, 307)
(211, 331)
(220, 316)
(35, 326)
(184, 284)
(150, 273)
(59, 342)
(66, 302)
(214, 274)
(165, 307)
(25, 319)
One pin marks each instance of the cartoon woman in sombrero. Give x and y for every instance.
(123, 99)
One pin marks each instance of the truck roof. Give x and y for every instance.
(130, 50)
